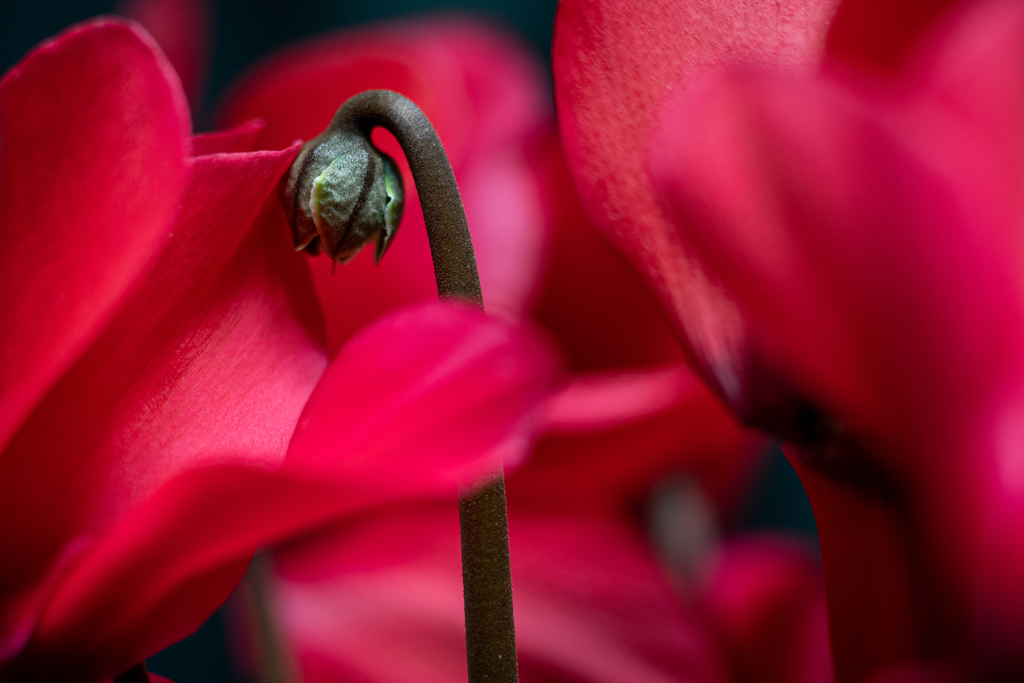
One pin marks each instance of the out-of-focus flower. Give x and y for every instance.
(380, 598)
(870, 231)
(160, 342)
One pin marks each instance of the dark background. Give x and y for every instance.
(245, 31)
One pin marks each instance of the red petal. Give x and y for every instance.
(210, 361)
(603, 313)
(867, 560)
(862, 266)
(879, 35)
(663, 420)
(613, 66)
(95, 134)
(766, 601)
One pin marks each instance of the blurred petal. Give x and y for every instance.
(767, 605)
(184, 31)
(879, 35)
(95, 139)
(604, 314)
(241, 138)
(382, 599)
(613, 66)
(610, 437)
(862, 267)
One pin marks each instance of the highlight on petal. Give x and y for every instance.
(94, 143)
(482, 91)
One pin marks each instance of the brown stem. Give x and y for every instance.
(486, 573)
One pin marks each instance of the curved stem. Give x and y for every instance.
(450, 244)
(486, 573)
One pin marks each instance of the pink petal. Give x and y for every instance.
(484, 96)
(613, 66)
(95, 134)
(158, 573)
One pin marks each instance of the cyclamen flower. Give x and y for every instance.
(161, 341)
(379, 598)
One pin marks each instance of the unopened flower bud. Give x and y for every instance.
(341, 193)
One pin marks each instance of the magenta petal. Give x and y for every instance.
(93, 153)
(419, 396)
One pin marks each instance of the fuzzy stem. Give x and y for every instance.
(486, 573)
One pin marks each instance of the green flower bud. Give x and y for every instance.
(341, 193)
